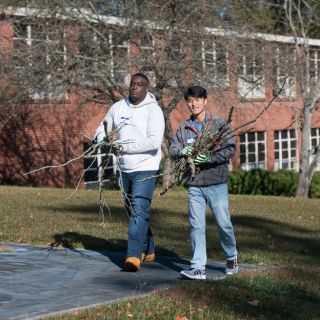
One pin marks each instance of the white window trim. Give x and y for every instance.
(317, 137)
(150, 74)
(214, 64)
(29, 40)
(254, 89)
(113, 47)
(313, 63)
(289, 88)
(100, 182)
(289, 149)
(257, 164)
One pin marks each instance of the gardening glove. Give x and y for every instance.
(116, 149)
(106, 139)
(186, 151)
(202, 159)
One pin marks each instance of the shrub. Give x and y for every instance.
(314, 191)
(262, 182)
(283, 182)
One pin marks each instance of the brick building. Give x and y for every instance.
(53, 124)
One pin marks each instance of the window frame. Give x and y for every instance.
(98, 158)
(291, 161)
(29, 39)
(279, 77)
(150, 49)
(315, 137)
(213, 64)
(248, 165)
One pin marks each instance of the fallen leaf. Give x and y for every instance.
(181, 318)
(148, 313)
(29, 230)
(21, 240)
(254, 303)
(129, 314)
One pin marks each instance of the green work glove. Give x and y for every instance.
(202, 159)
(106, 139)
(186, 151)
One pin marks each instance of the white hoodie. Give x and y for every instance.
(141, 129)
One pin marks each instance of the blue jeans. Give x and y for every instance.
(137, 197)
(217, 198)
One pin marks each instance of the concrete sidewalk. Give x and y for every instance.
(36, 282)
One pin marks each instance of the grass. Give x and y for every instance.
(276, 231)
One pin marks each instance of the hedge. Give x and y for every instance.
(277, 183)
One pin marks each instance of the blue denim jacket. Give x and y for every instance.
(217, 171)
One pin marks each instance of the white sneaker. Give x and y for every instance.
(194, 274)
(231, 267)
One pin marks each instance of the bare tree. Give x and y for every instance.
(81, 51)
(87, 48)
(301, 17)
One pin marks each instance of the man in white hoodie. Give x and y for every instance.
(139, 122)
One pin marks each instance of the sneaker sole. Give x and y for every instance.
(201, 277)
(230, 273)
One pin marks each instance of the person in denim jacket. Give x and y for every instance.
(209, 186)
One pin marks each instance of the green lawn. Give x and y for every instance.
(274, 231)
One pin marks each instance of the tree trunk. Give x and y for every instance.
(167, 172)
(306, 169)
(304, 182)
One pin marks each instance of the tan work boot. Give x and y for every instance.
(132, 263)
(151, 257)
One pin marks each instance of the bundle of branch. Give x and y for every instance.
(213, 133)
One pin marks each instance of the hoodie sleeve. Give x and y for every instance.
(100, 133)
(154, 135)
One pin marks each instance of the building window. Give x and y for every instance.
(39, 57)
(104, 57)
(93, 168)
(313, 68)
(283, 71)
(252, 150)
(251, 71)
(146, 61)
(215, 62)
(315, 143)
(120, 58)
(94, 57)
(173, 71)
(285, 149)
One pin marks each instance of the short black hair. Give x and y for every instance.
(195, 91)
(142, 75)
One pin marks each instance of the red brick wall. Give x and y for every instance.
(47, 135)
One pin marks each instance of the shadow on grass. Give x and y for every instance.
(274, 236)
(260, 233)
(82, 209)
(251, 298)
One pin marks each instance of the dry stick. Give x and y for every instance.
(92, 150)
(101, 198)
(60, 165)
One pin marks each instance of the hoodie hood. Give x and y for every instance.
(149, 99)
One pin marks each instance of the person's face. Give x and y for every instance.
(138, 89)
(197, 107)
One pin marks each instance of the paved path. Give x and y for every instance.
(38, 281)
